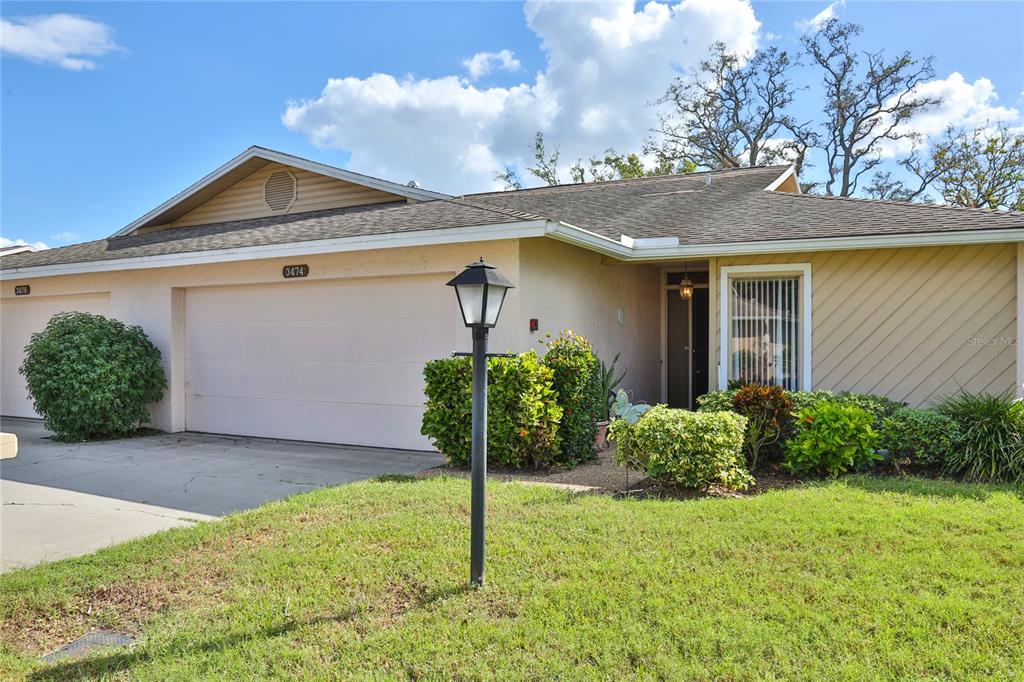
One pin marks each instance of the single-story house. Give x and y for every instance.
(292, 299)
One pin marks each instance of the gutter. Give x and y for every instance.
(626, 249)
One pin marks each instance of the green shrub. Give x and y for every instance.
(769, 413)
(833, 438)
(991, 428)
(693, 449)
(926, 438)
(92, 377)
(522, 415)
(716, 401)
(575, 380)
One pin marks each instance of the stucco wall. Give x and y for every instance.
(567, 287)
(915, 324)
(153, 298)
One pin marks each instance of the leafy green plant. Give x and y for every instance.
(522, 413)
(574, 378)
(769, 413)
(920, 437)
(992, 437)
(91, 377)
(692, 449)
(716, 401)
(607, 383)
(833, 438)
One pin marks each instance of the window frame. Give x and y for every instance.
(726, 274)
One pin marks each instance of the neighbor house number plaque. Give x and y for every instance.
(295, 271)
(21, 290)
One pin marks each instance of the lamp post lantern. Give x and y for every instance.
(481, 292)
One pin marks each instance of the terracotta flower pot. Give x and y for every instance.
(601, 439)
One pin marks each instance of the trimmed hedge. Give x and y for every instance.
(575, 378)
(92, 377)
(879, 407)
(927, 438)
(522, 412)
(693, 449)
(833, 438)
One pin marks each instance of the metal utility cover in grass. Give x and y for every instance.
(86, 644)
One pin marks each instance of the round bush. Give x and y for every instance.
(832, 438)
(91, 377)
(925, 437)
(692, 449)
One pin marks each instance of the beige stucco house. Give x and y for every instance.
(296, 300)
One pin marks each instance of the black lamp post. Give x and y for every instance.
(481, 290)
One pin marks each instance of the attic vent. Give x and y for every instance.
(279, 192)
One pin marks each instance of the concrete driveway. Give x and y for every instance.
(63, 499)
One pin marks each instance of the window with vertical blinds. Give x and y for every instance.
(765, 336)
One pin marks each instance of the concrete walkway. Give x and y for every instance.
(63, 499)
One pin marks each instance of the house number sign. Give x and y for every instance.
(21, 290)
(290, 271)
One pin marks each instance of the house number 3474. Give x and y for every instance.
(295, 271)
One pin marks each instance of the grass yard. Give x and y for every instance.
(854, 579)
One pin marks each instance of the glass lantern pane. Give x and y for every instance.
(495, 296)
(471, 299)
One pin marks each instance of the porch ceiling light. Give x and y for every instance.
(686, 289)
(481, 290)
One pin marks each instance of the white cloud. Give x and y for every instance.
(964, 104)
(62, 39)
(5, 242)
(482, 63)
(65, 237)
(605, 62)
(819, 19)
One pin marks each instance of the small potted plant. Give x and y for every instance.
(607, 383)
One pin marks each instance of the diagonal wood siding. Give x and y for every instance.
(915, 324)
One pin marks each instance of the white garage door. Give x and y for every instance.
(336, 361)
(19, 319)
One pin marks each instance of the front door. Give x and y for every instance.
(687, 340)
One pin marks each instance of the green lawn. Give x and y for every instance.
(854, 579)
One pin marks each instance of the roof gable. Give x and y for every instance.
(234, 191)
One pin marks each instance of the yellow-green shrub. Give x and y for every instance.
(693, 449)
(522, 413)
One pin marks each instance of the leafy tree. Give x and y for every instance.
(981, 168)
(611, 166)
(732, 113)
(864, 107)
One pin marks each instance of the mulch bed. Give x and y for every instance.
(607, 477)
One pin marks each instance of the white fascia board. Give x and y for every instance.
(641, 252)
(289, 160)
(457, 235)
(782, 178)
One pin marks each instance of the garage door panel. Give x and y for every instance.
(350, 383)
(371, 299)
(375, 425)
(333, 361)
(19, 319)
(324, 341)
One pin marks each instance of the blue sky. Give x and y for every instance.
(110, 112)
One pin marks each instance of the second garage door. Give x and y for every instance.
(19, 319)
(337, 361)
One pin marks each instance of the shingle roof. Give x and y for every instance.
(391, 218)
(733, 207)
